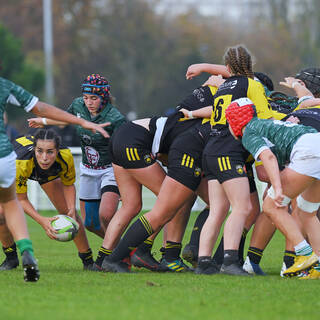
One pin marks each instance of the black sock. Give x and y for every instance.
(230, 257)
(241, 246)
(218, 256)
(204, 259)
(201, 219)
(103, 252)
(288, 258)
(255, 254)
(11, 252)
(162, 251)
(145, 246)
(86, 257)
(137, 233)
(172, 251)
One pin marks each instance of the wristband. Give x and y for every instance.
(190, 116)
(293, 84)
(304, 98)
(44, 121)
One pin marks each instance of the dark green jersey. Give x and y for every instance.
(95, 148)
(261, 134)
(12, 94)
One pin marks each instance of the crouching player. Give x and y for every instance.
(41, 158)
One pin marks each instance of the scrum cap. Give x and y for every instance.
(239, 113)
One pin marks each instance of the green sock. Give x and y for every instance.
(25, 245)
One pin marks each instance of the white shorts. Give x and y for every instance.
(92, 182)
(305, 155)
(8, 170)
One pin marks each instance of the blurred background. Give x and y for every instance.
(143, 47)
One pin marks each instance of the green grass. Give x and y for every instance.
(64, 291)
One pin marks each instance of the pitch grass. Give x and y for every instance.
(64, 291)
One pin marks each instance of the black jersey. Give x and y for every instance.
(308, 117)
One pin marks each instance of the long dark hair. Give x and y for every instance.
(47, 134)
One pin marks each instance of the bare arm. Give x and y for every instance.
(70, 196)
(42, 109)
(214, 69)
(33, 213)
(199, 113)
(270, 164)
(297, 85)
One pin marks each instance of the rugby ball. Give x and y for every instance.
(66, 227)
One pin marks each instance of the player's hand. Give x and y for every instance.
(214, 81)
(278, 198)
(35, 123)
(193, 71)
(289, 82)
(293, 119)
(185, 112)
(96, 127)
(46, 225)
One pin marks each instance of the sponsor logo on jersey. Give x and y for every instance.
(86, 139)
(92, 155)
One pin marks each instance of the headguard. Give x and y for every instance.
(239, 113)
(311, 78)
(97, 85)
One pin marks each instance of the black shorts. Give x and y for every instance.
(224, 158)
(130, 147)
(184, 159)
(252, 182)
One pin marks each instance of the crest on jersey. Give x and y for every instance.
(197, 172)
(239, 169)
(147, 159)
(92, 155)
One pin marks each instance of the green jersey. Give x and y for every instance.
(95, 148)
(261, 134)
(12, 94)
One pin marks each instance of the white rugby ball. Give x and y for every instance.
(66, 227)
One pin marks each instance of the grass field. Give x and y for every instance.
(64, 291)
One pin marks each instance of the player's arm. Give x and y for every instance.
(270, 164)
(199, 113)
(29, 209)
(70, 196)
(42, 109)
(214, 69)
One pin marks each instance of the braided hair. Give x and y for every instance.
(239, 60)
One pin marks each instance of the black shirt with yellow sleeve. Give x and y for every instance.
(28, 168)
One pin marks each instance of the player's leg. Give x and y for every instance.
(55, 191)
(8, 245)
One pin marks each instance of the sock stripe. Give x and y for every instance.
(255, 252)
(148, 241)
(146, 225)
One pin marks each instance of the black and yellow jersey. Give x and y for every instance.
(234, 88)
(28, 168)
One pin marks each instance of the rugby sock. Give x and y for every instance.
(230, 257)
(303, 249)
(218, 256)
(145, 246)
(162, 251)
(25, 245)
(11, 252)
(288, 258)
(86, 257)
(201, 219)
(172, 251)
(241, 246)
(139, 231)
(103, 252)
(255, 254)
